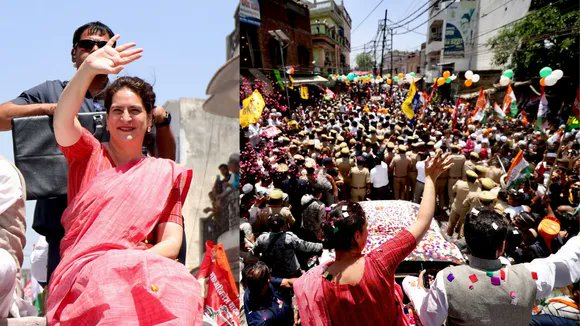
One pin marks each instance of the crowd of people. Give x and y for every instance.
(305, 169)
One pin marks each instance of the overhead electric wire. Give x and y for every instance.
(402, 22)
(370, 13)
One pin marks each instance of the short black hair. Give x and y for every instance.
(485, 231)
(223, 166)
(256, 276)
(95, 27)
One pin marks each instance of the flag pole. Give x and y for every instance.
(501, 163)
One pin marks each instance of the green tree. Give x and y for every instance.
(364, 61)
(547, 36)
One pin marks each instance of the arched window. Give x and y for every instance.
(275, 57)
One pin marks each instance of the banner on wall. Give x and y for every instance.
(250, 12)
(459, 28)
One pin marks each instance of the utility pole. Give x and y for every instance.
(383, 47)
(374, 55)
(364, 53)
(391, 53)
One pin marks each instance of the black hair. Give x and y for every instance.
(223, 166)
(95, 27)
(256, 276)
(485, 231)
(276, 222)
(340, 226)
(136, 85)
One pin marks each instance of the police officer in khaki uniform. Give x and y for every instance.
(473, 199)
(456, 169)
(458, 210)
(360, 180)
(412, 174)
(494, 171)
(400, 165)
(471, 163)
(344, 164)
(442, 192)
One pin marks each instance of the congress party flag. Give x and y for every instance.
(510, 105)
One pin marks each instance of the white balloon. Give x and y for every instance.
(550, 80)
(400, 82)
(557, 73)
(469, 74)
(453, 77)
(475, 78)
(504, 81)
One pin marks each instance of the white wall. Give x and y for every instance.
(493, 14)
(205, 141)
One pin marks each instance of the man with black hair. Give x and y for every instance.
(485, 292)
(42, 99)
(262, 303)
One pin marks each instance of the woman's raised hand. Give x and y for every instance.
(437, 165)
(110, 60)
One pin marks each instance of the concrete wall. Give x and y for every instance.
(493, 14)
(205, 141)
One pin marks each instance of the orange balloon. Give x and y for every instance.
(446, 74)
(468, 82)
(389, 81)
(542, 82)
(440, 81)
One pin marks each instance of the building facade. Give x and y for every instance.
(259, 49)
(330, 26)
(458, 32)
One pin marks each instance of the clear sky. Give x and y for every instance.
(184, 44)
(397, 10)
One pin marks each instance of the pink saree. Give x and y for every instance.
(105, 277)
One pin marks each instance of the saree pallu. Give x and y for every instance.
(104, 276)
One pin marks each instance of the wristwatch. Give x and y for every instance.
(166, 120)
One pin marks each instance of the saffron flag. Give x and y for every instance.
(411, 102)
(304, 92)
(518, 172)
(221, 299)
(510, 105)
(252, 107)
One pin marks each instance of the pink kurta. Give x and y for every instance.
(375, 300)
(105, 277)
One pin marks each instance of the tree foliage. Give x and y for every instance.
(547, 36)
(364, 61)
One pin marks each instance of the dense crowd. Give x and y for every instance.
(300, 166)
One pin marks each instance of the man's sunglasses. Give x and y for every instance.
(89, 44)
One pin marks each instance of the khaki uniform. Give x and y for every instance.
(360, 178)
(458, 211)
(401, 166)
(441, 190)
(494, 173)
(412, 175)
(468, 165)
(262, 220)
(388, 159)
(344, 164)
(455, 173)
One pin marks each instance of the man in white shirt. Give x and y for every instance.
(380, 180)
(486, 292)
(420, 177)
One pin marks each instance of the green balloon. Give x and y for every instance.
(396, 79)
(509, 73)
(412, 74)
(448, 80)
(545, 72)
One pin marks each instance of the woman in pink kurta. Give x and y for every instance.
(109, 274)
(359, 290)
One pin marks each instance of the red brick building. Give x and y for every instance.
(259, 49)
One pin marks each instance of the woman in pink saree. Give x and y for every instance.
(123, 225)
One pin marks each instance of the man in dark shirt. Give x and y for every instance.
(42, 100)
(262, 303)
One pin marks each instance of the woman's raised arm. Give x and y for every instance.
(104, 61)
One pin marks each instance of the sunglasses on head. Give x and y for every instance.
(89, 44)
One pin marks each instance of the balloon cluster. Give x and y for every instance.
(549, 77)
(470, 78)
(506, 77)
(447, 78)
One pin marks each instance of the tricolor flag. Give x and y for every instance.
(498, 111)
(542, 112)
(509, 102)
(411, 102)
(518, 172)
